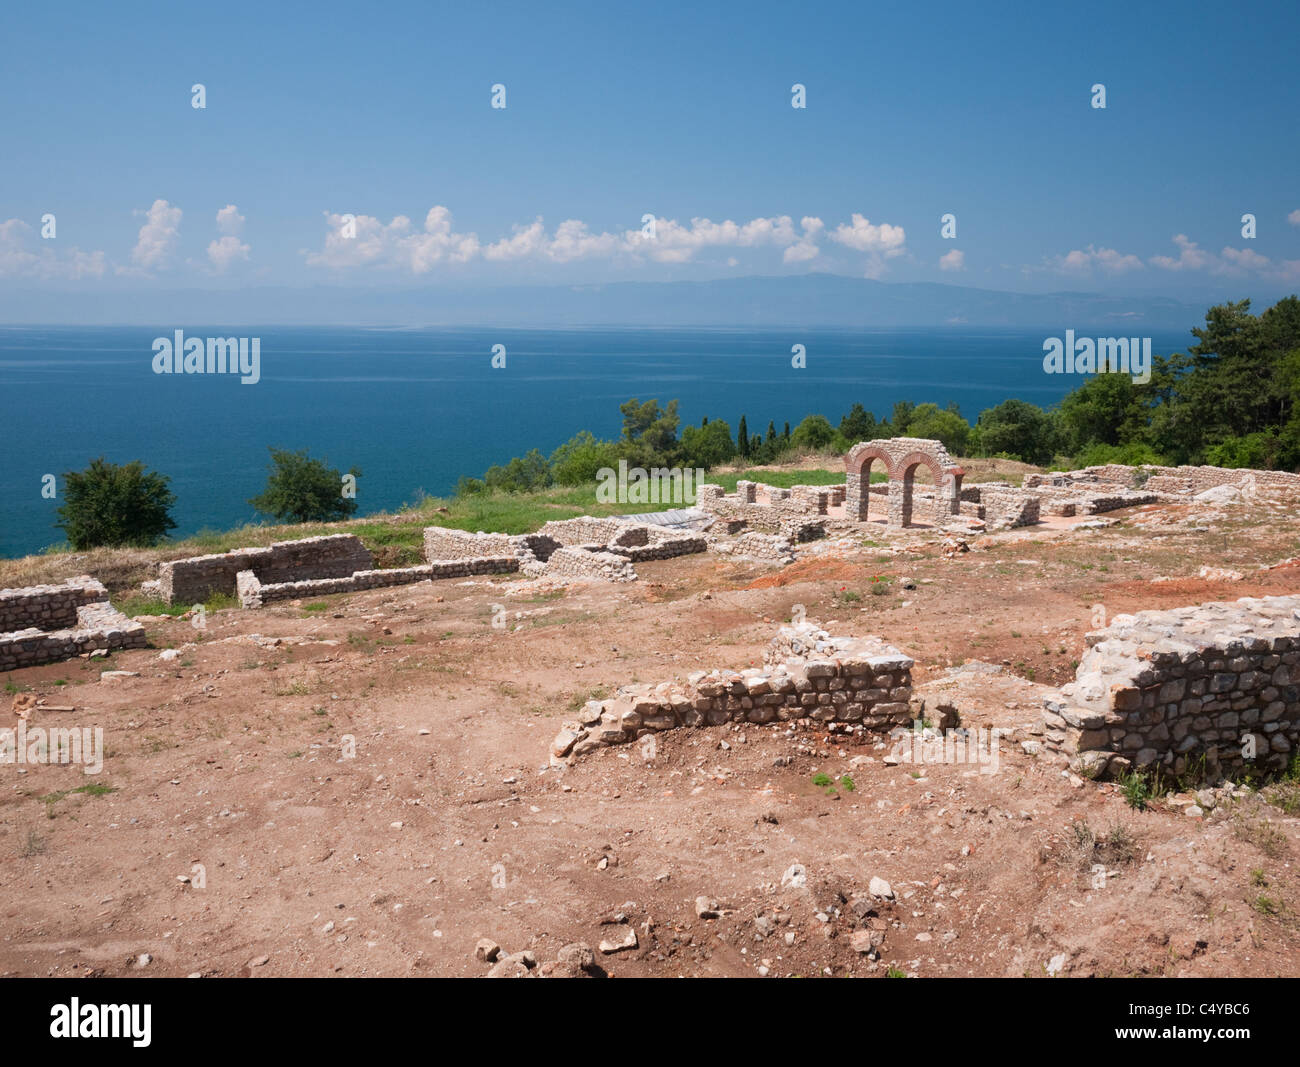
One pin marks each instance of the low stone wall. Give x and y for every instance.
(1185, 480)
(253, 593)
(775, 507)
(47, 607)
(1218, 682)
(589, 562)
(52, 635)
(194, 580)
(639, 543)
(765, 548)
(808, 674)
(1004, 507)
(584, 530)
(442, 543)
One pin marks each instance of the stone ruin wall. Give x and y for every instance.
(765, 548)
(1002, 506)
(768, 513)
(900, 457)
(340, 563)
(47, 607)
(253, 593)
(191, 581)
(444, 543)
(589, 562)
(1155, 479)
(1169, 689)
(590, 542)
(45, 623)
(807, 674)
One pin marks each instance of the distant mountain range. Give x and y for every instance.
(813, 300)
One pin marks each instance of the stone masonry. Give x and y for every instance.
(46, 623)
(191, 581)
(807, 674)
(1217, 682)
(580, 548)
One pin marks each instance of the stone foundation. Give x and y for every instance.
(580, 548)
(253, 593)
(191, 581)
(808, 674)
(1216, 684)
(1184, 481)
(47, 623)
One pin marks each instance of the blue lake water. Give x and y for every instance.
(416, 409)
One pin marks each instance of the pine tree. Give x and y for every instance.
(742, 438)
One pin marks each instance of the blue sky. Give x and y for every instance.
(616, 111)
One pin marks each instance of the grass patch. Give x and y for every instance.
(828, 784)
(1086, 849)
(1262, 834)
(94, 789)
(33, 846)
(1142, 787)
(783, 479)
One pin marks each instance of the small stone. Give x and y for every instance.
(487, 950)
(881, 889)
(628, 940)
(578, 954)
(706, 908)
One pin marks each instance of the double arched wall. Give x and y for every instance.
(900, 456)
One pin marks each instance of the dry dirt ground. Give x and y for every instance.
(359, 785)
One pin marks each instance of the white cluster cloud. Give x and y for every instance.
(881, 242)
(230, 221)
(1107, 260)
(24, 255)
(953, 261)
(157, 239)
(1294, 217)
(227, 249)
(1191, 257)
(1230, 261)
(395, 245)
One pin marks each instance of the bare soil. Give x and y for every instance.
(229, 766)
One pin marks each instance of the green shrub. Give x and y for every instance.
(301, 489)
(115, 505)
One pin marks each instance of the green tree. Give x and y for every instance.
(1106, 409)
(707, 445)
(115, 505)
(858, 425)
(1017, 429)
(945, 426)
(900, 417)
(742, 438)
(302, 489)
(814, 432)
(523, 474)
(579, 459)
(651, 428)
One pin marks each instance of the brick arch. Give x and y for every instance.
(863, 453)
(857, 496)
(905, 468)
